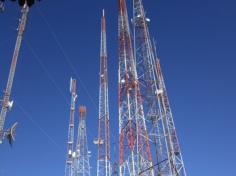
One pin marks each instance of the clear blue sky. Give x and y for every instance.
(196, 43)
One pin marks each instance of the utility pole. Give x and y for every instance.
(103, 140)
(81, 163)
(6, 102)
(164, 146)
(134, 149)
(70, 144)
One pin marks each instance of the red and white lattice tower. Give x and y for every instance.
(103, 140)
(6, 103)
(167, 157)
(134, 151)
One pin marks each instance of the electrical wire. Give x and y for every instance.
(66, 57)
(51, 78)
(44, 132)
(39, 60)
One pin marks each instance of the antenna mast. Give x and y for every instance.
(135, 156)
(6, 103)
(70, 144)
(160, 124)
(103, 141)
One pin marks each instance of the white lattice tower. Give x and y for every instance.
(81, 163)
(159, 119)
(70, 142)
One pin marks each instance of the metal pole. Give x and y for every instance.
(6, 103)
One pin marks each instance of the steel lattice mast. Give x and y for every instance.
(70, 143)
(103, 141)
(6, 103)
(82, 164)
(175, 155)
(135, 156)
(168, 159)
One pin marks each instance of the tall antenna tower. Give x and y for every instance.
(174, 154)
(135, 156)
(70, 143)
(160, 125)
(82, 165)
(6, 102)
(103, 141)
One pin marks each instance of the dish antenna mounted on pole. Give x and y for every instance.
(6, 103)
